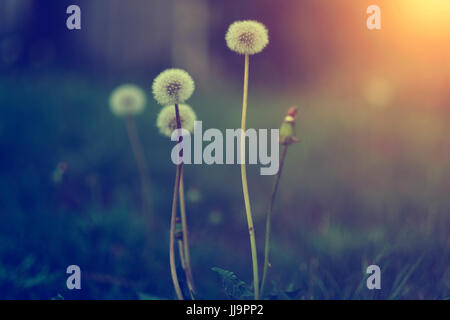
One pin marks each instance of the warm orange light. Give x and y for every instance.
(427, 15)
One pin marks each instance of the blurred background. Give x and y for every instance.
(369, 182)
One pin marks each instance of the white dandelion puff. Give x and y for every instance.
(167, 122)
(127, 99)
(247, 37)
(173, 86)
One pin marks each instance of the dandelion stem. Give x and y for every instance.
(138, 152)
(268, 218)
(248, 210)
(181, 253)
(179, 174)
(173, 270)
(187, 269)
(183, 263)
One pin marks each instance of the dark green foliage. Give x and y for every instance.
(232, 286)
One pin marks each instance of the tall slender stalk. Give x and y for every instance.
(173, 270)
(187, 269)
(179, 174)
(183, 262)
(138, 152)
(248, 209)
(268, 218)
(172, 87)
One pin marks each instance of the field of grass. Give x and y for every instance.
(365, 186)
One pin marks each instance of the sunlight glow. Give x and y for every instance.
(429, 15)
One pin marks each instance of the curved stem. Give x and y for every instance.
(173, 270)
(268, 219)
(179, 174)
(187, 269)
(138, 152)
(248, 210)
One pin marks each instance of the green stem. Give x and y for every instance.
(179, 174)
(248, 209)
(187, 269)
(183, 263)
(181, 253)
(268, 219)
(173, 270)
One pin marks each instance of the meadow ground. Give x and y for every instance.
(365, 186)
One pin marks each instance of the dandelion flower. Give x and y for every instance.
(247, 37)
(167, 122)
(127, 99)
(173, 86)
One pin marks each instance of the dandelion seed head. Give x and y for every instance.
(127, 99)
(167, 122)
(247, 37)
(173, 86)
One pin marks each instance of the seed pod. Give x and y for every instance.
(287, 128)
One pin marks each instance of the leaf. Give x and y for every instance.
(146, 296)
(57, 297)
(400, 282)
(290, 293)
(278, 294)
(232, 285)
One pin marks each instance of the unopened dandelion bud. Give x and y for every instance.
(287, 132)
(291, 115)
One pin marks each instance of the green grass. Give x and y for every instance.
(364, 186)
